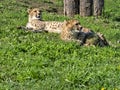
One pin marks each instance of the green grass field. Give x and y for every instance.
(41, 61)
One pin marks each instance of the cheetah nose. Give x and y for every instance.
(80, 28)
(38, 16)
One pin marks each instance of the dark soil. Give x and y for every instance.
(46, 5)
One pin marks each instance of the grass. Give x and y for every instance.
(41, 61)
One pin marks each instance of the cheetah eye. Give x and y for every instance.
(35, 11)
(77, 23)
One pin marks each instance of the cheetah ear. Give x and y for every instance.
(65, 21)
(29, 10)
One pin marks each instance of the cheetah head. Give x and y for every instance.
(72, 25)
(70, 29)
(34, 13)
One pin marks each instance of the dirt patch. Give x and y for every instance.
(45, 5)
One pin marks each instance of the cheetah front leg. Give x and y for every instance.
(24, 28)
(31, 29)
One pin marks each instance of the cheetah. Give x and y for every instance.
(35, 22)
(73, 31)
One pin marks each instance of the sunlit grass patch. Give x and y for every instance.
(42, 61)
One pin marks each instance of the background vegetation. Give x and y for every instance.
(41, 61)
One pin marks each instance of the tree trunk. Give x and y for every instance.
(86, 7)
(71, 7)
(98, 7)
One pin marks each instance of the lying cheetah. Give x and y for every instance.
(36, 24)
(73, 31)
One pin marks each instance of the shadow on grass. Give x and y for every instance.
(117, 19)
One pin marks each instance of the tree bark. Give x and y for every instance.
(98, 7)
(86, 7)
(71, 7)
